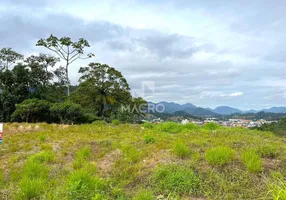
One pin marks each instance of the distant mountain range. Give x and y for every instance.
(171, 107)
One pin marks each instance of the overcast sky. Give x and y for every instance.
(205, 52)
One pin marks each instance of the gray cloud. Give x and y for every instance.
(186, 66)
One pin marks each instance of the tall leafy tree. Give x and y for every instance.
(8, 57)
(41, 67)
(14, 86)
(68, 50)
(44, 80)
(103, 86)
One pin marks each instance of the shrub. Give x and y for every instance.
(148, 125)
(115, 122)
(149, 139)
(32, 110)
(99, 122)
(252, 161)
(219, 155)
(83, 185)
(278, 190)
(67, 112)
(176, 179)
(169, 127)
(144, 195)
(87, 118)
(181, 150)
(211, 126)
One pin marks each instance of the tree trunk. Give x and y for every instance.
(68, 80)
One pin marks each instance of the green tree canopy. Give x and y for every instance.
(32, 110)
(104, 87)
(67, 112)
(8, 57)
(68, 50)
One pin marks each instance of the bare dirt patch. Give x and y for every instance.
(270, 164)
(105, 164)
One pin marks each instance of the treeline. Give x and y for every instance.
(37, 88)
(255, 116)
(278, 128)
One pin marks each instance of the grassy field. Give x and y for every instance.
(164, 161)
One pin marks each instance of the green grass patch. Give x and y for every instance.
(99, 122)
(176, 179)
(144, 195)
(32, 188)
(220, 155)
(34, 179)
(34, 169)
(212, 126)
(148, 125)
(115, 122)
(169, 127)
(149, 139)
(190, 126)
(181, 150)
(82, 156)
(131, 154)
(252, 161)
(267, 151)
(114, 162)
(278, 190)
(44, 156)
(82, 184)
(2, 178)
(42, 138)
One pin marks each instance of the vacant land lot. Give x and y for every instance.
(165, 161)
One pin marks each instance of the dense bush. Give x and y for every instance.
(68, 112)
(32, 110)
(278, 128)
